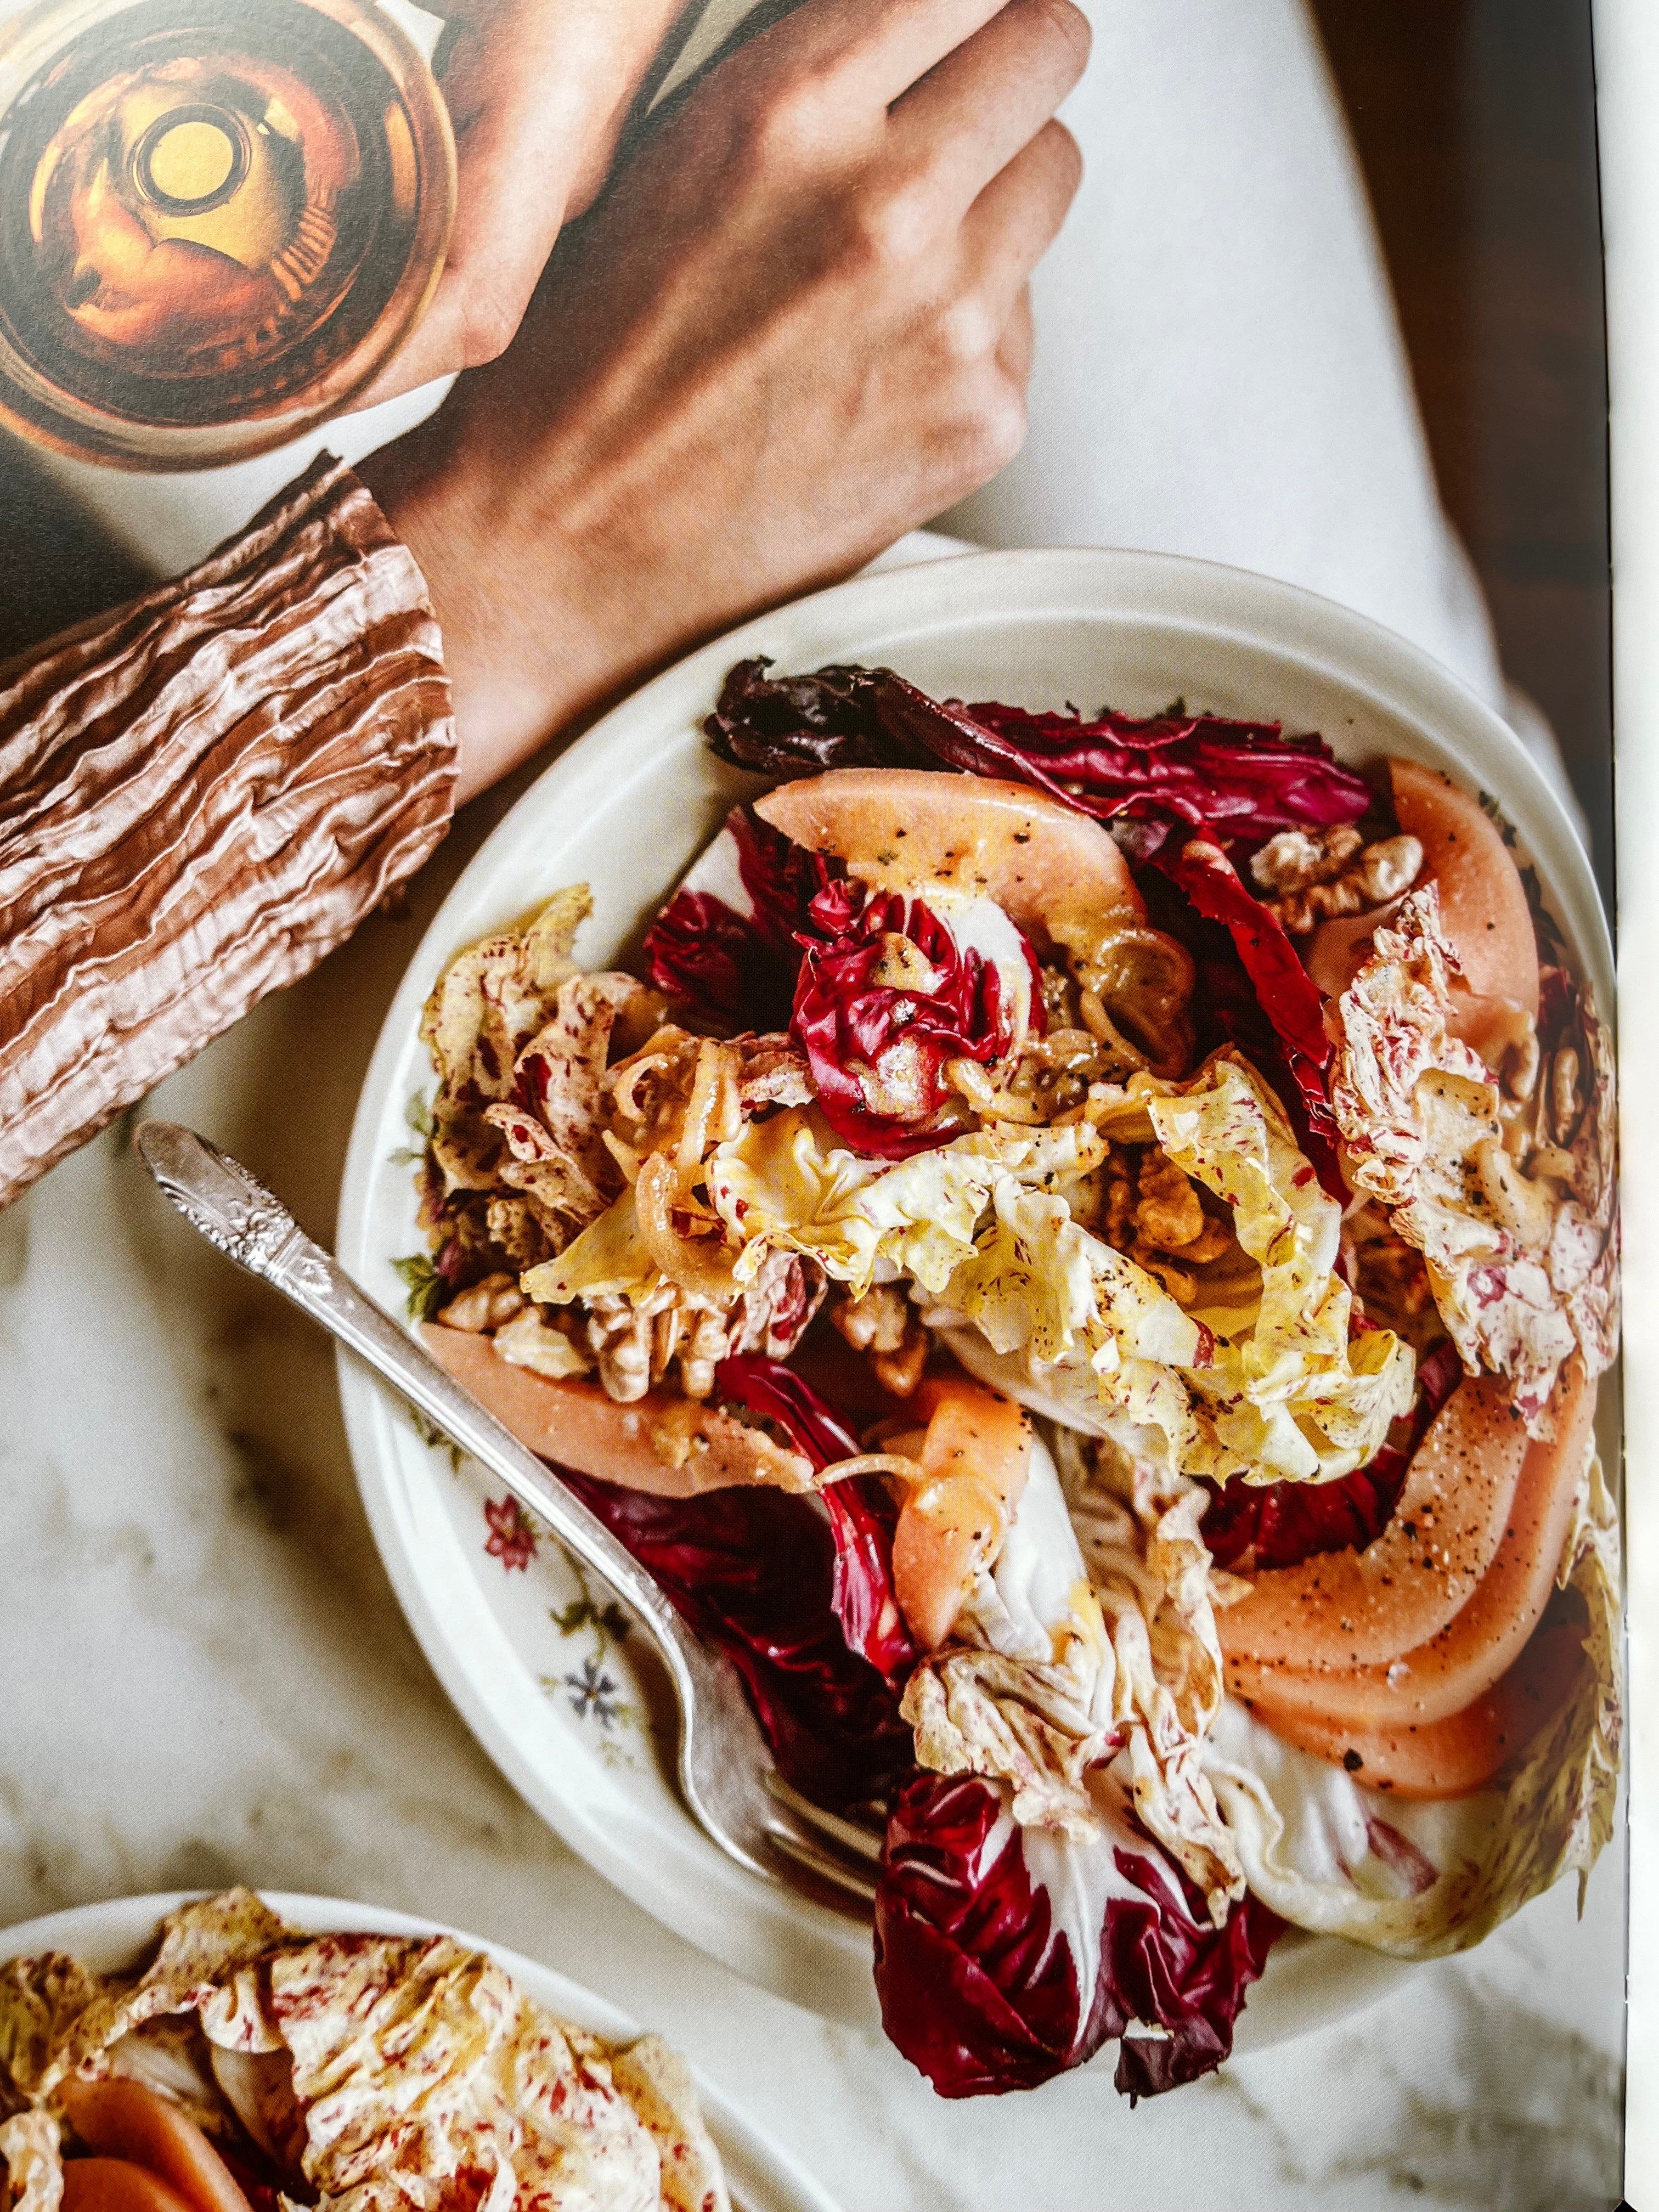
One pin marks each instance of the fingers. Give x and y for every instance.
(987, 101)
(866, 53)
(537, 91)
(1014, 219)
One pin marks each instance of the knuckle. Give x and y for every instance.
(892, 223)
(780, 134)
(488, 323)
(791, 121)
(1006, 423)
(994, 430)
(965, 332)
(1068, 157)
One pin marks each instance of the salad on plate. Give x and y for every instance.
(1082, 1259)
(250, 2067)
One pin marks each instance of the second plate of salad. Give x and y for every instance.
(1036, 1135)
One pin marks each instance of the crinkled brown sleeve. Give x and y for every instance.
(202, 793)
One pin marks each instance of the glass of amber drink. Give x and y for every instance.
(218, 220)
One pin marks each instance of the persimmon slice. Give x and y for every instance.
(666, 1443)
(131, 2125)
(976, 1458)
(1347, 1608)
(131, 2122)
(1056, 873)
(1467, 1750)
(116, 2184)
(1444, 1675)
(1483, 902)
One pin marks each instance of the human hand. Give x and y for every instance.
(538, 91)
(796, 328)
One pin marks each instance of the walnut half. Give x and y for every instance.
(883, 1326)
(487, 1306)
(1145, 1205)
(1310, 878)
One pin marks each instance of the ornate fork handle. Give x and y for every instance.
(725, 1770)
(234, 1210)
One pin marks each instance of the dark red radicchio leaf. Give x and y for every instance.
(877, 1049)
(851, 717)
(729, 969)
(1173, 789)
(1247, 780)
(1172, 1968)
(794, 725)
(979, 1984)
(794, 1596)
(861, 1513)
(1288, 993)
(710, 960)
(1279, 1524)
(753, 1570)
(1254, 989)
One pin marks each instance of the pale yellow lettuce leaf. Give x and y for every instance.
(981, 1224)
(1030, 1722)
(1036, 1281)
(415, 2059)
(1138, 1527)
(786, 1183)
(493, 996)
(552, 1149)
(487, 1005)
(31, 2163)
(1519, 1281)
(1044, 1291)
(41, 2002)
(1271, 1388)
(657, 2082)
(1089, 1643)
(609, 1258)
(54, 2018)
(1287, 1396)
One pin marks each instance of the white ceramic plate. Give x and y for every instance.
(527, 1654)
(110, 1937)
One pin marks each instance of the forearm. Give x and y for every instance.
(200, 795)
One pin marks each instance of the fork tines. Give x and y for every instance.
(840, 1848)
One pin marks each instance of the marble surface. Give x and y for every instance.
(204, 1677)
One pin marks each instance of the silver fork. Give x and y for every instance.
(725, 1772)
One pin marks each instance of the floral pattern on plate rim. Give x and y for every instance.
(516, 1539)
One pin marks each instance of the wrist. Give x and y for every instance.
(527, 654)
